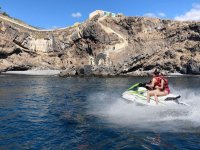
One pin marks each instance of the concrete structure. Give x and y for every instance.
(41, 45)
(101, 13)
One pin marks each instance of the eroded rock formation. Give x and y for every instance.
(103, 45)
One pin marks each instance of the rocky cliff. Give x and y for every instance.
(103, 45)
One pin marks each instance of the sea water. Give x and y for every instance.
(41, 112)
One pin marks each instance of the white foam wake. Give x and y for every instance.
(178, 118)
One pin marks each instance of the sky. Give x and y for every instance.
(50, 14)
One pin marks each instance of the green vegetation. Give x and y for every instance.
(3, 13)
(0, 9)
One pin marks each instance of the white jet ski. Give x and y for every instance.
(138, 94)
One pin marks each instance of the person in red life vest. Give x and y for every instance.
(164, 87)
(155, 80)
(161, 88)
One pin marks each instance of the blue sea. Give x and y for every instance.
(83, 113)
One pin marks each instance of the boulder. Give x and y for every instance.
(193, 67)
(68, 72)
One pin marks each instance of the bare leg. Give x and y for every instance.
(159, 93)
(149, 94)
(156, 98)
(162, 93)
(148, 97)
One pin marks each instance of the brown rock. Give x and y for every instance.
(103, 45)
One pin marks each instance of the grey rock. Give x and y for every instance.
(68, 72)
(193, 67)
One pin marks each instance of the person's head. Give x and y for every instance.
(156, 72)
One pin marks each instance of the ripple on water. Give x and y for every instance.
(88, 113)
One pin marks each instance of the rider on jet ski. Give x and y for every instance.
(158, 86)
(155, 81)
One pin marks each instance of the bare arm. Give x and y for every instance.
(152, 84)
(162, 85)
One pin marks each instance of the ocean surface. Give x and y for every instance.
(41, 112)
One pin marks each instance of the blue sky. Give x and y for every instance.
(61, 13)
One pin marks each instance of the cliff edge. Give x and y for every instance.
(105, 44)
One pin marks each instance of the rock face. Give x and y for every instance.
(103, 45)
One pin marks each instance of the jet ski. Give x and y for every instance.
(138, 94)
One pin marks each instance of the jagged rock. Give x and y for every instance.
(183, 69)
(103, 46)
(88, 70)
(194, 37)
(193, 67)
(103, 71)
(195, 27)
(170, 54)
(80, 71)
(68, 72)
(76, 36)
(94, 33)
(19, 68)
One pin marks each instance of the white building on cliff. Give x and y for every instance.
(102, 13)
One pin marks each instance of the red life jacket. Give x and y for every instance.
(158, 81)
(166, 86)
